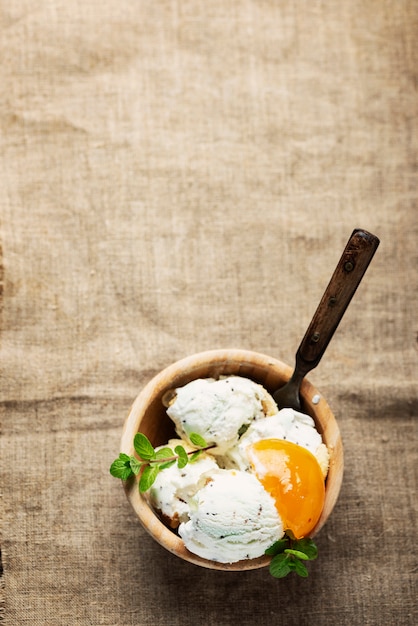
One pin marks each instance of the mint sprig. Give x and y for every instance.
(151, 461)
(121, 467)
(288, 555)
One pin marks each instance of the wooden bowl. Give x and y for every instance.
(149, 417)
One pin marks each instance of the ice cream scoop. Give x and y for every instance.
(219, 410)
(174, 487)
(288, 425)
(232, 518)
(347, 276)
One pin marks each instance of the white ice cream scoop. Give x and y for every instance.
(288, 425)
(171, 492)
(231, 518)
(219, 410)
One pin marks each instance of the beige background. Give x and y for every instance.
(179, 175)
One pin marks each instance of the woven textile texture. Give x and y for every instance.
(181, 175)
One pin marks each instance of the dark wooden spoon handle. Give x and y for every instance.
(351, 268)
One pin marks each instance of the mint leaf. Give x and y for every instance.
(278, 547)
(143, 447)
(279, 566)
(193, 458)
(163, 454)
(307, 546)
(135, 465)
(288, 555)
(121, 468)
(183, 459)
(164, 466)
(300, 568)
(197, 440)
(243, 430)
(292, 564)
(148, 477)
(298, 554)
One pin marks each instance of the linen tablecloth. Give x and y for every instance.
(178, 176)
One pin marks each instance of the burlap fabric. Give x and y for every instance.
(182, 175)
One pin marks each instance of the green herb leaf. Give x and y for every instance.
(152, 461)
(121, 468)
(298, 554)
(135, 465)
(300, 568)
(143, 447)
(307, 546)
(197, 440)
(278, 547)
(164, 466)
(289, 553)
(193, 458)
(292, 563)
(183, 458)
(279, 566)
(243, 430)
(163, 453)
(148, 477)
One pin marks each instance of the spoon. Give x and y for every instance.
(347, 276)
